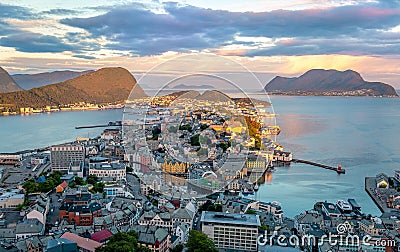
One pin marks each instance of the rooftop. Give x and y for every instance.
(230, 219)
(107, 166)
(84, 243)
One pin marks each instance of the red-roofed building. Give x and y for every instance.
(176, 203)
(61, 187)
(102, 236)
(84, 244)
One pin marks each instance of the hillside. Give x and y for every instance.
(7, 84)
(329, 82)
(29, 81)
(107, 85)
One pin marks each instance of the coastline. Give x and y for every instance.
(63, 109)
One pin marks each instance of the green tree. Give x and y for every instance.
(177, 248)
(123, 242)
(30, 186)
(92, 179)
(194, 140)
(199, 242)
(79, 181)
(98, 187)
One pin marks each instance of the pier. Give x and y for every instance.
(370, 185)
(338, 169)
(113, 124)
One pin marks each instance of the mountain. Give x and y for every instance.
(29, 81)
(106, 85)
(329, 82)
(7, 84)
(195, 87)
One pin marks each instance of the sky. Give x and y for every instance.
(270, 38)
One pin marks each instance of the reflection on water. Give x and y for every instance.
(358, 133)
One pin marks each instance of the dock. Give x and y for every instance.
(370, 185)
(112, 124)
(338, 169)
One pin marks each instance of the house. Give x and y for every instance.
(304, 221)
(181, 230)
(32, 244)
(35, 214)
(69, 178)
(81, 215)
(83, 244)
(61, 187)
(330, 210)
(101, 236)
(29, 228)
(61, 244)
(371, 228)
(11, 199)
(154, 238)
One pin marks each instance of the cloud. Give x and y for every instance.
(79, 56)
(60, 12)
(184, 28)
(25, 41)
(11, 11)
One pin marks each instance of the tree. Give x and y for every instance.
(92, 179)
(177, 248)
(79, 181)
(251, 211)
(194, 140)
(123, 242)
(199, 242)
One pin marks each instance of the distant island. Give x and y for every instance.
(93, 90)
(329, 83)
(195, 87)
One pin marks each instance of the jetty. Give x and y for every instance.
(338, 169)
(113, 124)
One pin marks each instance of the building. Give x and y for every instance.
(84, 244)
(62, 155)
(237, 232)
(371, 228)
(61, 187)
(330, 210)
(29, 228)
(76, 168)
(101, 236)
(108, 171)
(175, 167)
(81, 215)
(11, 199)
(61, 244)
(154, 238)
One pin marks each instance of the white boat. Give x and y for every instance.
(344, 206)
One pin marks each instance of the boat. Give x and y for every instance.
(256, 187)
(344, 206)
(354, 204)
(245, 192)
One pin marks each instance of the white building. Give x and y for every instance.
(231, 231)
(108, 171)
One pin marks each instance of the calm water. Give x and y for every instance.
(361, 134)
(358, 133)
(40, 130)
